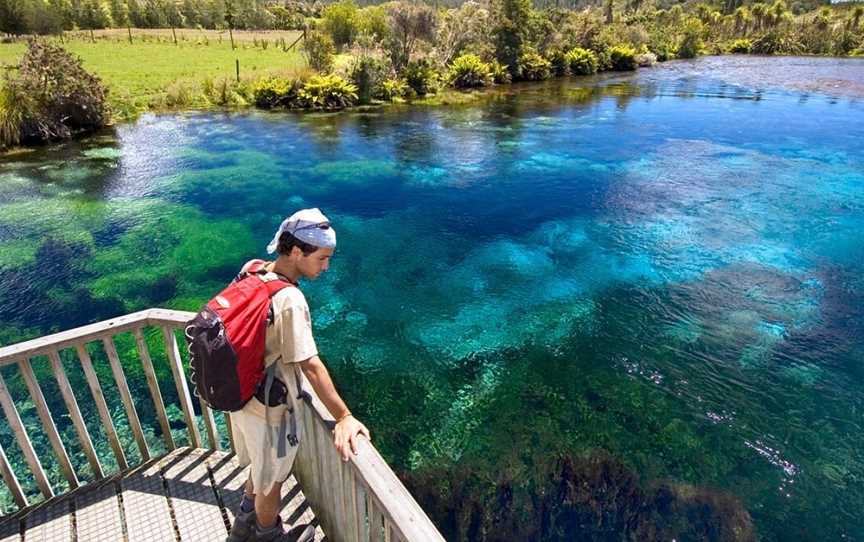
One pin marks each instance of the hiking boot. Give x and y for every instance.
(299, 533)
(243, 528)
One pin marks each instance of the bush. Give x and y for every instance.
(691, 39)
(394, 88)
(421, 77)
(372, 21)
(741, 47)
(51, 97)
(319, 49)
(582, 61)
(468, 71)
(410, 24)
(327, 92)
(558, 60)
(622, 58)
(340, 22)
(368, 72)
(533, 67)
(275, 92)
(500, 73)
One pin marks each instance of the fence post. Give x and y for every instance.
(237, 68)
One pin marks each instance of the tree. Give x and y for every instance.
(409, 23)
(511, 31)
(460, 27)
(13, 17)
(340, 22)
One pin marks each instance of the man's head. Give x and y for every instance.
(305, 241)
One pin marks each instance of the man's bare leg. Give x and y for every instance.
(267, 506)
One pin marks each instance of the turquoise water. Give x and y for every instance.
(665, 268)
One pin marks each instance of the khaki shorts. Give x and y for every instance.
(253, 447)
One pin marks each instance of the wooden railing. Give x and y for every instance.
(358, 500)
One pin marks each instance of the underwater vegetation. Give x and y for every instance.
(548, 332)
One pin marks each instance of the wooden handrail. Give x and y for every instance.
(358, 501)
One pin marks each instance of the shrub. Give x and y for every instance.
(582, 61)
(327, 92)
(558, 61)
(421, 77)
(274, 92)
(468, 71)
(14, 110)
(500, 73)
(776, 42)
(53, 96)
(394, 88)
(372, 21)
(533, 67)
(319, 49)
(410, 23)
(741, 46)
(368, 72)
(622, 58)
(691, 39)
(340, 22)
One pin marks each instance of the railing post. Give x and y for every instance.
(101, 405)
(48, 423)
(75, 413)
(126, 397)
(23, 440)
(182, 389)
(155, 393)
(11, 481)
(210, 426)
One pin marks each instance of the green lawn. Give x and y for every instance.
(139, 75)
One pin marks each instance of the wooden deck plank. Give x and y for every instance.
(97, 515)
(196, 509)
(10, 530)
(145, 506)
(51, 523)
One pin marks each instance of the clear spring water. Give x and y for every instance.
(666, 265)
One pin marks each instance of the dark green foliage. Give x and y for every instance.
(511, 34)
(533, 67)
(368, 72)
(50, 97)
(590, 497)
(468, 71)
(560, 66)
(421, 77)
(622, 58)
(776, 42)
(319, 50)
(582, 61)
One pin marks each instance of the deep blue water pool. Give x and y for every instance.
(666, 266)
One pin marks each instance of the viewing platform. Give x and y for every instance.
(188, 493)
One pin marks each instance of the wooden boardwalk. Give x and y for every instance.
(187, 495)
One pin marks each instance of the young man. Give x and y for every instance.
(304, 243)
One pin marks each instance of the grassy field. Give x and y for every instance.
(153, 73)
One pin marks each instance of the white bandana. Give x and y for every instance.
(309, 226)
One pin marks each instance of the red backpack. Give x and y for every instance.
(227, 339)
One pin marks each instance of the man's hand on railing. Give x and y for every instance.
(346, 434)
